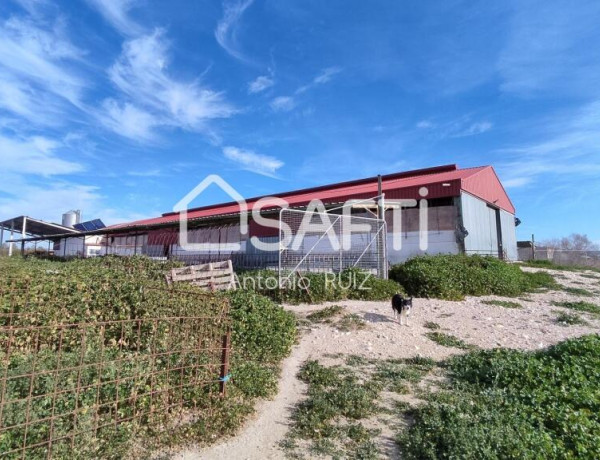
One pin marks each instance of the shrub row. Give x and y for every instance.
(352, 283)
(514, 404)
(451, 277)
(46, 294)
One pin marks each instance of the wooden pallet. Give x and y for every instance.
(214, 276)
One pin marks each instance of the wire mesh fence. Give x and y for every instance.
(569, 257)
(81, 386)
(313, 241)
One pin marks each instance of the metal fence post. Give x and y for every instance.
(225, 363)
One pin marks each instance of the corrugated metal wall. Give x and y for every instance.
(509, 235)
(480, 221)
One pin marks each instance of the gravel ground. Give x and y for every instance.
(488, 326)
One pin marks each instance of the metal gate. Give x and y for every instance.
(327, 242)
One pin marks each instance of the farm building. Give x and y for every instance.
(467, 211)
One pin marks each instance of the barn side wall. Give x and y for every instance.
(509, 235)
(480, 220)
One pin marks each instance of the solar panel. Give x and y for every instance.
(90, 225)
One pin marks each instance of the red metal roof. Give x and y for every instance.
(441, 181)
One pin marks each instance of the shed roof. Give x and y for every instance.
(441, 181)
(35, 227)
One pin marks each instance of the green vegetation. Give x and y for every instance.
(578, 291)
(351, 322)
(431, 325)
(325, 314)
(570, 319)
(513, 404)
(580, 306)
(126, 293)
(452, 277)
(340, 400)
(320, 287)
(447, 340)
(503, 303)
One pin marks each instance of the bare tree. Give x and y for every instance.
(573, 242)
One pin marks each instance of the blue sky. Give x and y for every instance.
(120, 107)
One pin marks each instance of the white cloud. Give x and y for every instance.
(34, 155)
(568, 151)
(226, 31)
(260, 84)
(516, 182)
(41, 57)
(251, 161)
(324, 77)
(425, 124)
(283, 104)
(549, 48)
(128, 120)
(473, 129)
(141, 74)
(116, 12)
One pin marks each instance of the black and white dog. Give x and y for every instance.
(401, 306)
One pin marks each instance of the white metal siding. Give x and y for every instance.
(480, 222)
(509, 235)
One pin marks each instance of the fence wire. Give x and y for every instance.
(325, 242)
(83, 385)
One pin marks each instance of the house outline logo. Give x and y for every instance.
(182, 208)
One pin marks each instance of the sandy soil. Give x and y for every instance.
(487, 326)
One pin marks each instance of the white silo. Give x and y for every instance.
(70, 218)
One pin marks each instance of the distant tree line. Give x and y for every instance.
(573, 242)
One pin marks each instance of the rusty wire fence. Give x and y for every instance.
(85, 386)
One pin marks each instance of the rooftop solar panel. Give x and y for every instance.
(90, 225)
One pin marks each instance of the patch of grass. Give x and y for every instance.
(447, 340)
(513, 404)
(579, 306)
(578, 291)
(351, 322)
(569, 319)
(503, 303)
(431, 325)
(325, 314)
(339, 399)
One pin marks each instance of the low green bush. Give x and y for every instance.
(39, 295)
(452, 277)
(513, 404)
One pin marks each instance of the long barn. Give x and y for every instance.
(468, 211)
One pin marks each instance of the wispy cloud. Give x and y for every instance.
(324, 77)
(554, 51)
(283, 104)
(473, 129)
(116, 12)
(34, 155)
(154, 97)
(227, 28)
(568, 150)
(260, 84)
(251, 161)
(128, 120)
(425, 124)
(36, 60)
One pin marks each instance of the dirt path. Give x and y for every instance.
(532, 326)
